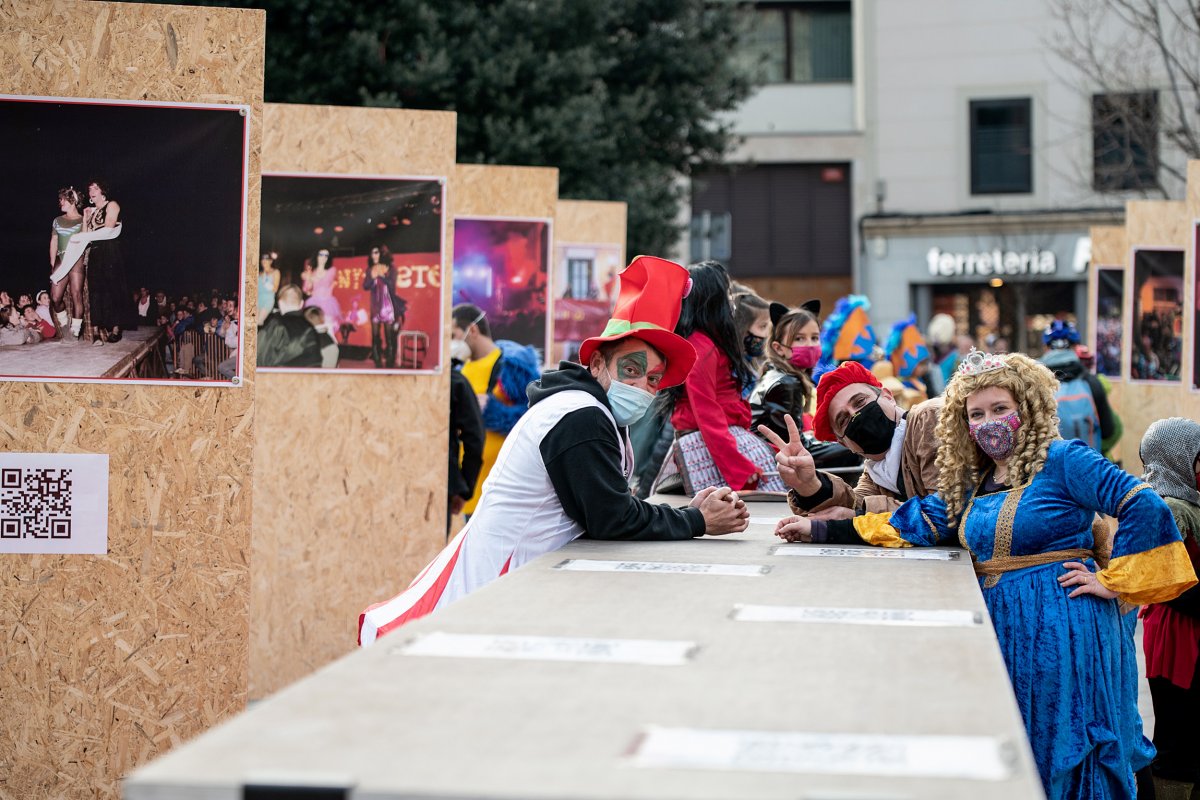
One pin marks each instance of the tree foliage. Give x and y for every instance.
(623, 96)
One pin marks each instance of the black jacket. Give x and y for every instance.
(288, 340)
(466, 428)
(583, 458)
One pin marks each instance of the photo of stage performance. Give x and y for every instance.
(501, 266)
(585, 288)
(125, 239)
(350, 274)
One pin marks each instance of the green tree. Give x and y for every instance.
(623, 96)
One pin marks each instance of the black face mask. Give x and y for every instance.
(871, 429)
(753, 345)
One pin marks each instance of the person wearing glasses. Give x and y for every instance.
(899, 449)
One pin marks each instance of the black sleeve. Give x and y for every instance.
(464, 414)
(799, 501)
(1187, 603)
(1103, 409)
(584, 463)
(835, 531)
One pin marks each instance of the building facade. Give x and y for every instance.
(952, 162)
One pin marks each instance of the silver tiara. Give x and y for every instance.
(977, 363)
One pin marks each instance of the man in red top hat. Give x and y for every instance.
(563, 471)
(899, 449)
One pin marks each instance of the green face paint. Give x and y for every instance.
(632, 365)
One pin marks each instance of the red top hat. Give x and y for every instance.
(652, 291)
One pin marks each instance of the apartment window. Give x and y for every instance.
(775, 220)
(801, 42)
(1124, 141)
(1001, 146)
(579, 278)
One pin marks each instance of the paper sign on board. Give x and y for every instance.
(550, 648)
(971, 757)
(54, 503)
(906, 553)
(662, 567)
(937, 618)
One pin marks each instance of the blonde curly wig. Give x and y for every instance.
(960, 461)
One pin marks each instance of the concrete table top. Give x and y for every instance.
(389, 724)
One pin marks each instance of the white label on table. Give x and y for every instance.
(911, 553)
(670, 567)
(53, 503)
(654, 652)
(936, 618)
(970, 757)
(772, 521)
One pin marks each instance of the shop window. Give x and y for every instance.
(1124, 141)
(799, 43)
(1001, 146)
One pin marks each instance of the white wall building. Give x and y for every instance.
(952, 161)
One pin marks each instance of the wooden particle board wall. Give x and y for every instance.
(111, 660)
(350, 469)
(591, 222)
(487, 190)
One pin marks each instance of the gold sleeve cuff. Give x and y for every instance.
(1154, 576)
(874, 529)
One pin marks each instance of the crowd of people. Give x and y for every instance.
(998, 453)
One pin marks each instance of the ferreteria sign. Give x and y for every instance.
(994, 262)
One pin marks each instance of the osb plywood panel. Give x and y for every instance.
(1157, 224)
(590, 222)
(110, 660)
(485, 190)
(1193, 189)
(351, 469)
(1109, 247)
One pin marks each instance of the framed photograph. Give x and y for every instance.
(502, 266)
(585, 290)
(1196, 310)
(126, 232)
(1156, 318)
(1110, 303)
(350, 274)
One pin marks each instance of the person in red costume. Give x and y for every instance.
(713, 442)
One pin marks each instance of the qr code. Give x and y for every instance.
(35, 503)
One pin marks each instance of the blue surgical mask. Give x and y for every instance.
(629, 403)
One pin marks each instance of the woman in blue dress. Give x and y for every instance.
(1022, 501)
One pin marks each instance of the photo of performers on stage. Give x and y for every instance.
(351, 274)
(144, 205)
(501, 266)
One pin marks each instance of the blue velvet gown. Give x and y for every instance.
(1071, 660)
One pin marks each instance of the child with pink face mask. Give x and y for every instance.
(786, 386)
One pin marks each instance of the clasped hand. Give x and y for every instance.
(724, 512)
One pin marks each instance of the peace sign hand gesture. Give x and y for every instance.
(796, 466)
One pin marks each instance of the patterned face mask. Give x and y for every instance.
(997, 437)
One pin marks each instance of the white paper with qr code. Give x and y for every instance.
(53, 503)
